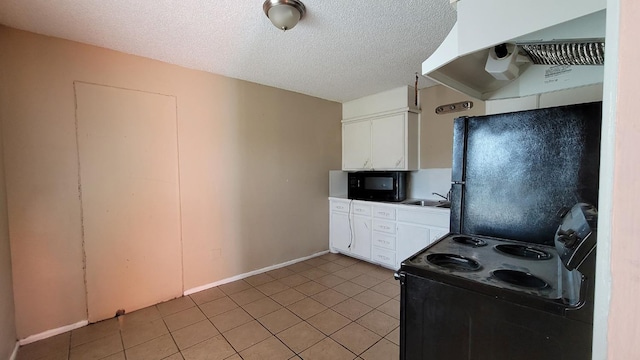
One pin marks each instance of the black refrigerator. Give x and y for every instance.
(513, 173)
(499, 285)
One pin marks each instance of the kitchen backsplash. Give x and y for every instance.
(422, 183)
(337, 183)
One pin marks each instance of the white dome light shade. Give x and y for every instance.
(284, 14)
(284, 17)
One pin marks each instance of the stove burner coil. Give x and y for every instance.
(454, 262)
(520, 278)
(523, 251)
(469, 241)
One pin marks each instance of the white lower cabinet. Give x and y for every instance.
(361, 239)
(412, 238)
(383, 246)
(384, 241)
(417, 228)
(350, 228)
(383, 257)
(437, 233)
(382, 233)
(340, 232)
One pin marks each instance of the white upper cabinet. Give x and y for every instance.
(388, 142)
(388, 134)
(381, 140)
(356, 145)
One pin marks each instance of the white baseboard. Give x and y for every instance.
(52, 332)
(250, 273)
(14, 354)
(63, 329)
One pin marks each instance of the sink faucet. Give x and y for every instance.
(448, 197)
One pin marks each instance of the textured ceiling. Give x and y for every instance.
(341, 50)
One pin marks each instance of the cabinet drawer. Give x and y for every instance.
(384, 241)
(342, 206)
(388, 227)
(360, 209)
(384, 212)
(383, 256)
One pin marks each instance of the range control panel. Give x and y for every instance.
(576, 237)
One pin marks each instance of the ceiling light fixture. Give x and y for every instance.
(284, 14)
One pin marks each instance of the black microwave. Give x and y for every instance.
(377, 185)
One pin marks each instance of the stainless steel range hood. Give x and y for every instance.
(469, 62)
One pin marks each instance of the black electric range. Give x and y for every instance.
(476, 297)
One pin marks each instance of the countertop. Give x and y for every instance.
(428, 203)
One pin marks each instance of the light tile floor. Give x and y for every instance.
(330, 307)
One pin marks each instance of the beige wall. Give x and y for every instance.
(624, 316)
(7, 311)
(253, 161)
(436, 134)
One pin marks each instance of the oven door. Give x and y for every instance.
(439, 321)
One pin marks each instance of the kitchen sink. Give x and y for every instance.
(432, 203)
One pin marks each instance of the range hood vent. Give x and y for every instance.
(566, 53)
(502, 49)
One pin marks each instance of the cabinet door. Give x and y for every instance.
(388, 142)
(356, 145)
(437, 233)
(410, 240)
(361, 244)
(340, 232)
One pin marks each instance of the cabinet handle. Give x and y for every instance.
(339, 207)
(359, 210)
(398, 162)
(366, 163)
